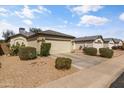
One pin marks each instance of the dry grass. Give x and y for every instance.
(118, 53)
(33, 73)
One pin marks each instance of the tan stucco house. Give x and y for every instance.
(109, 43)
(118, 42)
(60, 42)
(89, 41)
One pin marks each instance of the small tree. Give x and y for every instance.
(35, 30)
(45, 49)
(7, 34)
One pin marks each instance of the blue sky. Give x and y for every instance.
(74, 20)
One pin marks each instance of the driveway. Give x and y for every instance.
(82, 61)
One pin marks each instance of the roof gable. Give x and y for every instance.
(88, 38)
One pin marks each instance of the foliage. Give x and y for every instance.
(106, 52)
(2, 41)
(1, 51)
(27, 53)
(35, 30)
(45, 49)
(115, 47)
(90, 51)
(7, 34)
(63, 63)
(15, 49)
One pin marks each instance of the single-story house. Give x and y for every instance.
(60, 42)
(89, 41)
(118, 42)
(109, 43)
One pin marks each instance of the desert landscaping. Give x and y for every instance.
(33, 73)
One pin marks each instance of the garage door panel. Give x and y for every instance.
(60, 46)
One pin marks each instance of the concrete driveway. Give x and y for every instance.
(82, 61)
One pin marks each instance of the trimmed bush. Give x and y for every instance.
(63, 63)
(114, 47)
(90, 51)
(45, 49)
(106, 52)
(27, 53)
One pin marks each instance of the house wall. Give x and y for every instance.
(83, 44)
(90, 44)
(58, 44)
(109, 45)
(34, 43)
(98, 43)
(78, 45)
(19, 39)
(120, 43)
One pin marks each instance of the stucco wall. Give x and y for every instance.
(60, 46)
(110, 44)
(90, 44)
(34, 44)
(120, 43)
(98, 43)
(18, 39)
(82, 44)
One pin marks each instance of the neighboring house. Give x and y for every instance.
(89, 41)
(60, 43)
(118, 42)
(109, 43)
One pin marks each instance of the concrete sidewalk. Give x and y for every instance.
(99, 76)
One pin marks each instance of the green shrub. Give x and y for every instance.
(90, 51)
(27, 53)
(114, 47)
(45, 49)
(106, 52)
(1, 51)
(63, 63)
(15, 49)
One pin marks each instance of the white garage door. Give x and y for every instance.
(60, 46)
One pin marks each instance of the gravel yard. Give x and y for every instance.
(33, 73)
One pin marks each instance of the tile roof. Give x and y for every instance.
(106, 40)
(87, 38)
(51, 32)
(47, 32)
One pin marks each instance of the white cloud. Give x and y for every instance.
(65, 22)
(92, 20)
(29, 13)
(4, 12)
(43, 9)
(25, 12)
(27, 22)
(4, 25)
(83, 9)
(121, 17)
